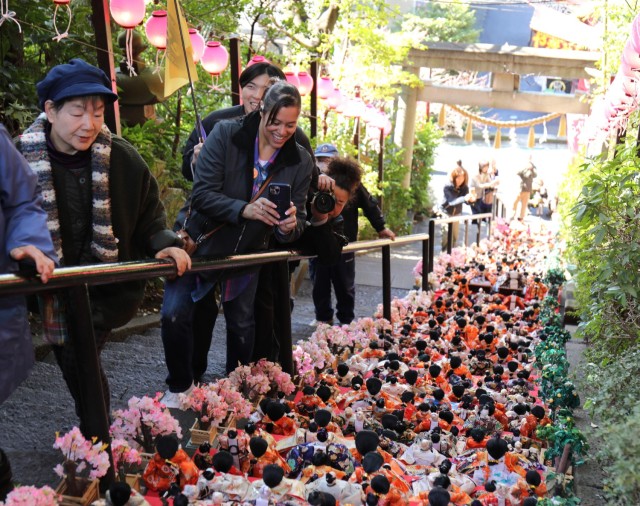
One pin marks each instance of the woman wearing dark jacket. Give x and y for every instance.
(236, 161)
(456, 193)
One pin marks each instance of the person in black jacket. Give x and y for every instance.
(237, 162)
(341, 273)
(255, 80)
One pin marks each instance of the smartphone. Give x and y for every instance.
(280, 194)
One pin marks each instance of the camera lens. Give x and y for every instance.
(324, 202)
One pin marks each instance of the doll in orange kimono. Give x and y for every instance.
(529, 486)
(261, 456)
(308, 403)
(170, 464)
(537, 418)
(373, 464)
(386, 494)
(275, 422)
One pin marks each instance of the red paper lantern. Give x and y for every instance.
(61, 2)
(292, 78)
(197, 44)
(325, 87)
(306, 83)
(215, 58)
(156, 29)
(127, 13)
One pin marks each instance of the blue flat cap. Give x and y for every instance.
(74, 79)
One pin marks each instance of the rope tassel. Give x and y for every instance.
(441, 117)
(562, 128)
(498, 140)
(468, 134)
(531, 142)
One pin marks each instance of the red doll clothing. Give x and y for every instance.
(161, 473)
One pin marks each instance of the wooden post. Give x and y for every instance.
(405, 130)
(313, 110)
(234, 61)
(101, 24)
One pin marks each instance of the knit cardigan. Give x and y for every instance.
(139, 225)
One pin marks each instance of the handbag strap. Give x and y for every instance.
(203, 237)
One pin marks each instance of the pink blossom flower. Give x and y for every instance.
(145, 418)
(31, 496)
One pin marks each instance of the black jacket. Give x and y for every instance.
(369, 205)
(223, 183)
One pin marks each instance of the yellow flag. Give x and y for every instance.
(176, 74)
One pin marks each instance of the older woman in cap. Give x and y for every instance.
(101, 200)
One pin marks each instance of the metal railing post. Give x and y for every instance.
(386, 282)
(479, 231)
(432, 247)
(285, 354)
(93, 408)
(450, 236)
(426, 249)
(466, 233)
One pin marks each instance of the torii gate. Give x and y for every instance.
(507, 64)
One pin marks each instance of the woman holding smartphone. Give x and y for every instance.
(237, 162)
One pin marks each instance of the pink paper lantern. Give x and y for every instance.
(325, 87)
(354, 108)
(334, 100)
(369, 114)
(61, 2)
(292, 78)
(156, 29)
(197, 44)
(257, 59)
(127, 13)
(306, 83)
(215, 58)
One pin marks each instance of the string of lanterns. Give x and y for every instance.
(212, 55)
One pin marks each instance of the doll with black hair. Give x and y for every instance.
(275, 488)
(261, 455)
(320, 466)
(121, 494)
(336, 455)
(308, 403)
(532, 485)
(276, 421)
(340, 490)
(536, 418)
(236, 442)
(170, 465)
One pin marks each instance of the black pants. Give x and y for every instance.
(68, 362)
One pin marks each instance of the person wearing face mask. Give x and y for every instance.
(237, 162)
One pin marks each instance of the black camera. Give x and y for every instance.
(324, 202)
